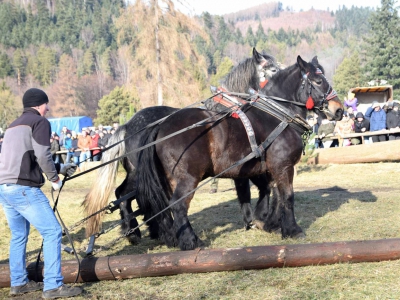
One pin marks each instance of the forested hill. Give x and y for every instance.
(104, 59)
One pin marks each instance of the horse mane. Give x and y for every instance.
(235, 81)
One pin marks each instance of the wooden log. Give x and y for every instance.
(214, 260)
(368, 153)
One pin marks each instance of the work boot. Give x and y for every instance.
(62, 291)
(30, 286)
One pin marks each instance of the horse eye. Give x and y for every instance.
(318, 81)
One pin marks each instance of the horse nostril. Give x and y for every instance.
(339, 114)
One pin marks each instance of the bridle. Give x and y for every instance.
(327, 96)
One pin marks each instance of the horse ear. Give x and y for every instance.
(314, 61)
(258, 57)
(302, 64)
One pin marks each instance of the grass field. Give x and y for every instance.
(332, 203)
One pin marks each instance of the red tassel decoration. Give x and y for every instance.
(235, 115)
(310, 103)
(263, 83)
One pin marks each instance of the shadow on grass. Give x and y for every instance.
(308, 168)
(314, 204)
(309, 206)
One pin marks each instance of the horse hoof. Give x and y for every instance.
(300, 235)
(133, 239)
(258, 224)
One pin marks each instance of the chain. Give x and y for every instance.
(77, 224)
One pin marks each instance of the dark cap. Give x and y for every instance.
(34, 97)
(359, 115)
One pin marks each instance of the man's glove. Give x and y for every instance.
(56, 184)
(68, 169)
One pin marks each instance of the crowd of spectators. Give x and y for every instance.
(378, 117)
(84, 146)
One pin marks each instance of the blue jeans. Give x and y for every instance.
(84, 155)
(76, 160)
(24, 205)
(69, 156)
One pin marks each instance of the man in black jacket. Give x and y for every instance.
(393, 121)
(361, 125)
(25, 157)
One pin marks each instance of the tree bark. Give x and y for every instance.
(215, 260)
(368, 153)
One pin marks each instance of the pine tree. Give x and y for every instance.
(223, 69)
(65, 98)
(9, 109)
(165, 64)
(46, 69)
(250, 38)
(117, 104)
(383, 45)
(348, 75)
(19, 63)
(5, 65)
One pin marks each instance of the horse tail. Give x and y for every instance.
(154, 192)
(102, 187)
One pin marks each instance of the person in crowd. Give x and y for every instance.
(102, 142)
(115, 125)
(75, 149)
(54, 147)
(96, 153)
(311, 120)
(351, 113)
(351, 101)
(344, 126)
(361, 125)
(84, 142)
(377, 121)
(68, 147)
(27, 150)
(107, 135)
(393, 121)
(100, 127)
(63, 134)
(112, 131)
(325, 132)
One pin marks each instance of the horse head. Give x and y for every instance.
(253, 72)
(316, 92)
(266, 65)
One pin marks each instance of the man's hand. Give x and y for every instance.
(56, 184)
(68, 169)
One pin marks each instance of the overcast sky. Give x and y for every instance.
(220, 7)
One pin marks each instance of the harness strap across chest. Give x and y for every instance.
(234, 104)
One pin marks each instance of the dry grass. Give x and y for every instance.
(332, 203)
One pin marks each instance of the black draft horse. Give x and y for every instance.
(253, 72)
(170, 170)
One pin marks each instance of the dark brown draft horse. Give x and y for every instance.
(252, 72)
(170, 170)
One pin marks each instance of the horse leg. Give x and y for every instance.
(262, 182)
(126, 209)
(244, 197)
(273, 220)
(187, 239)
(284, 186)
